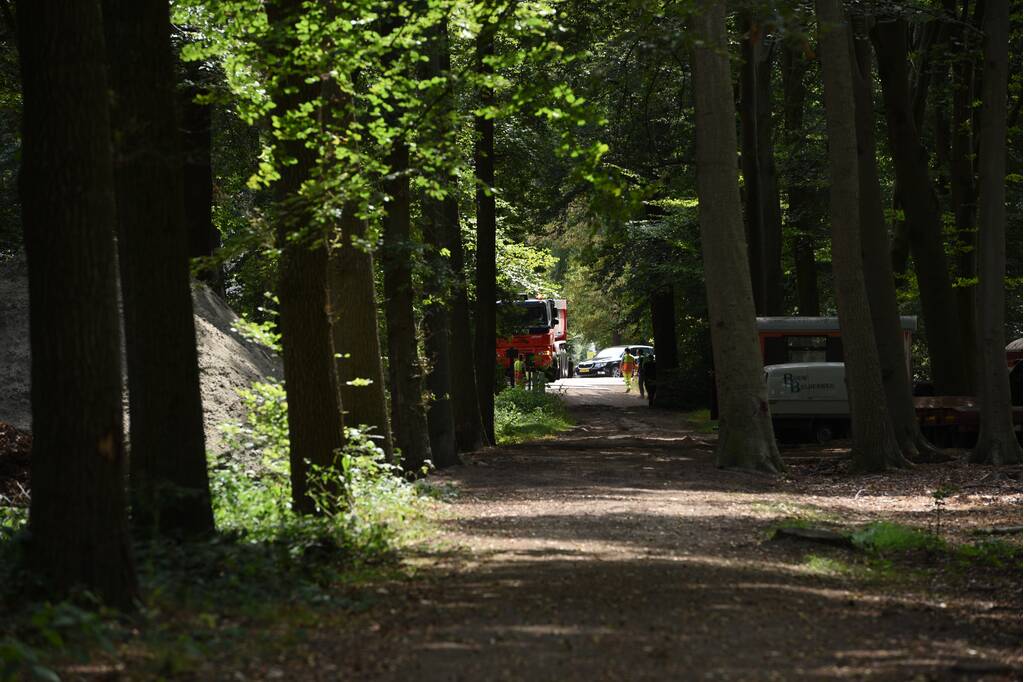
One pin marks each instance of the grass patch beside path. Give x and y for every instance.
(521, 416)
(701, 421)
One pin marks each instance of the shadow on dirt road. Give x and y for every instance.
(618, 551)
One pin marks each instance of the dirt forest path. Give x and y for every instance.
(619, 552)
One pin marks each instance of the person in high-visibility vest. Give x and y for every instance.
(520, 372)
(628, 366)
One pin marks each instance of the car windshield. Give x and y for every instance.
(521, 317)
(609, 353)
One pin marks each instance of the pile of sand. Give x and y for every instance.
(227, 361)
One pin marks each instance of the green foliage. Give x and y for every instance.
(825, 565)
(363, 499)
(263, 332)
(262, 439)
(884, 537)
(12, 521)
(68, 629)
(521, 415)
(990, 552)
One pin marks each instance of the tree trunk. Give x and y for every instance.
(354, 330)
(170, 490)
(404, 371)
(874, 442)
(485, 329)
(763, 214)
(878, 275)
(469, 426)
(315, 424)
(799, 193)
(454, 400)
(997, 443)
(746, 439)
(963, 190)
(78, 516)
(663, 319)
(923, 217)
(196, 144)
(437, 324)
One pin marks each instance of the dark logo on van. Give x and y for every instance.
(796, 383)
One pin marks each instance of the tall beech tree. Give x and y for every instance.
(469, 426)
(315, 424)
(354, 328)
(799, 191)
(963, 186)
(78, 515)
(170, 490)
(875, 248)
(923, 215)
(997, 442)
(405, 374)
(746, 439)
(398, 254)
(437, 341)
(485, 320)
(436, 312)
(874, 441)
(197, 166)
(762, 214)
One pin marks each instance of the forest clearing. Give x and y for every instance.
(511, 339)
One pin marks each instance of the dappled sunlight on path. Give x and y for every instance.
(619, 551)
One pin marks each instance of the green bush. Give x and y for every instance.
(521, 415)
(363, 500)
(990, 552)
(883, 536)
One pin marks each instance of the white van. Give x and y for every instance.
(809, 397)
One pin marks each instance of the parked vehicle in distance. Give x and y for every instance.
(536, 329)
(808, 400)
(607, 362)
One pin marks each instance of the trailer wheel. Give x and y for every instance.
(822, 433)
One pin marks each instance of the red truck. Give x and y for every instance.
(536, 328)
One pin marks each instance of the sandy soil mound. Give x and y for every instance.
(227, 361)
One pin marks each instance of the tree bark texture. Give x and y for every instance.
(408, 419)
(997, 443)
(963, 190)
(454, 398)
(170, 491)
(923, 216)
(78, 515)
(663, 320)
(878, 275)
(746, 439)
(485, 325)
(315, 424)
(469, 425)
(874, 441)
(437, 344)
(799, 192)
(354, 330)
(762, 213)
(197, 167)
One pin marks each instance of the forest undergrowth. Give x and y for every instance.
(264, 568)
